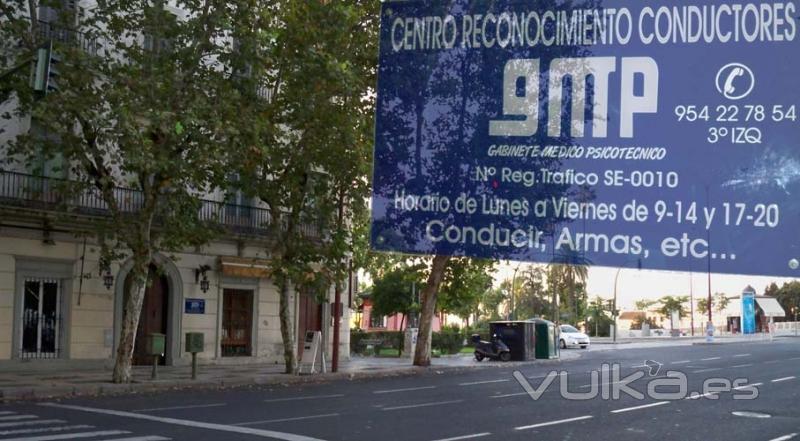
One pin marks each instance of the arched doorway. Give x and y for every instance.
(154, 317)
(161, 311)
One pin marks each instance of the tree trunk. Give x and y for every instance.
(422, 353)
(132, 308)
(287, 331)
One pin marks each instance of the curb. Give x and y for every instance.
(59, 391)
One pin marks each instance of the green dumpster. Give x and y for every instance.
(546, 339)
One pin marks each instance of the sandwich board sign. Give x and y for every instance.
(313, 359)
(613, 132)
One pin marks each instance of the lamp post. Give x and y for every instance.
(614, 306)
(513, 314)
(614, 302)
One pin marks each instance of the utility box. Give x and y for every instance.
(546, 339)
(518, 336)
(156, 344)
(194, 342)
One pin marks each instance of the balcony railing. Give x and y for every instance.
(44, 193)
(50, 31)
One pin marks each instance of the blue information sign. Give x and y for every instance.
(616, 133)
(749, 312)
(195, 306)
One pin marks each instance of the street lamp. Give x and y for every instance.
(513, 314)
(614, 303)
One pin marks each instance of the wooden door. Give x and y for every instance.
(153, 319)
(237, 322)
(310, 319)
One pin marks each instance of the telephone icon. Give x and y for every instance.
(735, 81)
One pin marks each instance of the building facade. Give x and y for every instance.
(59, 304)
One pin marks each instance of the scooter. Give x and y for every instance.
(493, 350)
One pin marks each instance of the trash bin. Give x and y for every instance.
(546, 339)
(518, 336)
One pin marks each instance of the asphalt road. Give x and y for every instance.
(484, 404)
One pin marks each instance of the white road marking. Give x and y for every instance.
(710, 358)
(706, 370)
(747, 386)
(639, 366)
(795, 358)
(778, 380)
(586, 386)
(784, 437)
(30, 423)
(545, 375)
(413, 406)
(643, 406)
(697, 396)
(742, 355)
(682, 362)
(408, 389)
(280, 420)
(140, 438)
(194, 406)
(7, 413)
(772, 361)
(483, 382)
(515, 394)
(742, 365)
(553, 423)
(18, 417)
(188, 423)
(70, 435)
(44, 429)
(311, 397)
(456, 438)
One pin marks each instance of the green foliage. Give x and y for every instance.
(599, 326)
(398, 291)
(788, 296)
(387, 340)
(567, 276)
(448, 341)
(644, 304)
(466, 282)
(718, 303)
(637, 322)
(533, 296)
(673, 303)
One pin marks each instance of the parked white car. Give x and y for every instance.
(571, 337)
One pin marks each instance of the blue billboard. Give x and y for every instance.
(749, 312)
(616, 133)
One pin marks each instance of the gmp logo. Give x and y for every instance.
(735, 81)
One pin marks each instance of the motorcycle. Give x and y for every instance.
(495, 349)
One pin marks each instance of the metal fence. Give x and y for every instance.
(44, 193)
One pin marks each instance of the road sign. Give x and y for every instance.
(620, 133)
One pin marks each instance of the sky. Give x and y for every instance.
(634, 284)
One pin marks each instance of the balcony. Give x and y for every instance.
(49, 31)
(24, 191)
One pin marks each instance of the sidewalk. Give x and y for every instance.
(35, 384)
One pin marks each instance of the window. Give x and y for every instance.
(238, 207)
(41, 318)
(237, 322)
(377, 321)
